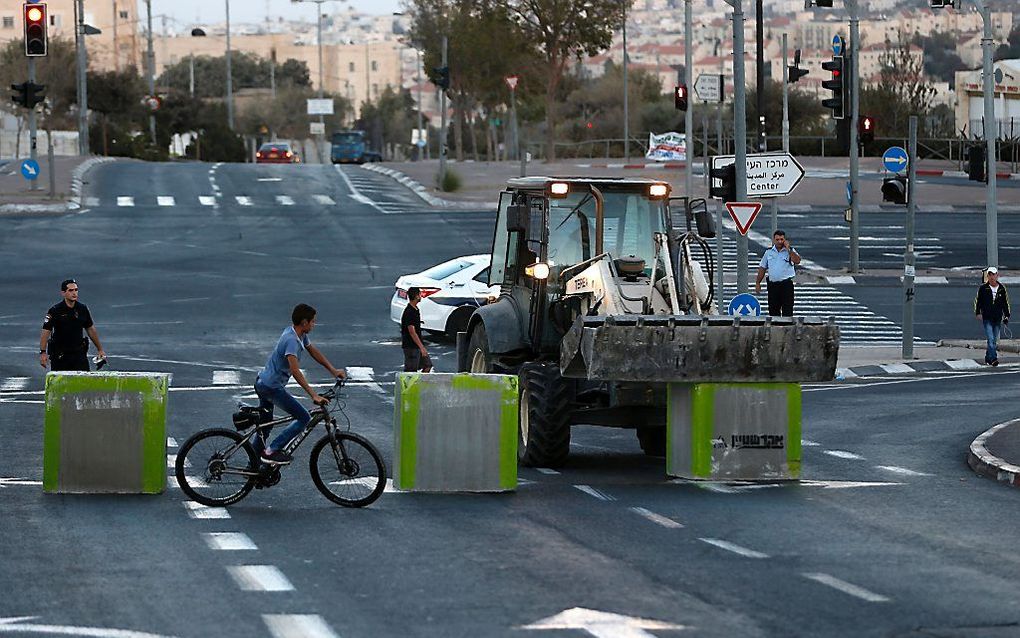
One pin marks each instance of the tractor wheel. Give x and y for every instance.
(652, 440)
(479, 358)
(544, 424)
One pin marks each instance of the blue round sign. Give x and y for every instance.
(837, 45)
(744, 305)
(895, 159)
(30, 169)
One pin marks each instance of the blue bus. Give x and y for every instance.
(348, 146)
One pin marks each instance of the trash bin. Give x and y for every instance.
(105, 432)
(455, 432)
(733, 431)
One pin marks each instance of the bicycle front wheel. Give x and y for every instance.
(214, 467)
(348, 471)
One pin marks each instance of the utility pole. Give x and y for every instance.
(151, 66)
(272, 72)
(83, 95)
(230, 78)
(116, 47)
(908, 251)
(32, 133)
(739, 132)
(855, 114)
(786, 98)
(759, 37)
(991, 133)
(719, 107)
(442, 123)
(421, 137)
(318, 39)
(689, 113)
(626, 96)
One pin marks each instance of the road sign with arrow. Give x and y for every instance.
(30, 169)
(744, 305)
(895, 159)
(743, 214)
(709, 87)
(768, 174)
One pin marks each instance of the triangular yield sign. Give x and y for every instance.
(743, 214)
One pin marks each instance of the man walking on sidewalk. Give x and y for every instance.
(991, 306)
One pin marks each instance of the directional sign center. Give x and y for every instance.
(708, 86)
(768, 174)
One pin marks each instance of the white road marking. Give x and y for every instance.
(731, 547)
(591, 491)
(808, 443)
(125, 201)
(963, 364)
(197, 510)
(163, 200)
(843, 454)
(254, 252)
(171, 441)
(297, 626)
(270, 179)
(284, 200)
(171, 461)
(226, 377)
(325, 200)
(658, 519)
(7, 482)
(259, 578)
(846, 588)
(16, 625)
(354, 191)
(14, 383)
(902, 470)
(600, 624)
(193, 481)
(128, 305)
(242, 200)
(92, 202)
(842, 485)
(360, 373)
(229, 541)
(206, 200)
(896, 368)
(546, 470)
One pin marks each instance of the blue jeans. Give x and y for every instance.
(268, 397)
(992, 330)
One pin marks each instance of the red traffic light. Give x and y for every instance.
(35, 29)
(680, 97)
(590, 125)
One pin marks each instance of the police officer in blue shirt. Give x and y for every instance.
(779, 263)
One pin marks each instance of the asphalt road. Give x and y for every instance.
(892, 535)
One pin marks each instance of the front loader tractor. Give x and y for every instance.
(606, 295)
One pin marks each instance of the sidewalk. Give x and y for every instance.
(996, 453)
(17, 198)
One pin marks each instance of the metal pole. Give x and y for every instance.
(786, 99)
(704, 149)
(719, 107)
(83, 88)
(774, 214)
(626, 97)
(855, 113)
(689, 133)
(318, 38)
(49, 159)
(719, 259)
(759, 37)
(191, 75)
(421, 136)
(740, 133)
(116, 48)
(272, 72)
(513, 113)
(32, 183)
(230, 77)
(991, 133)
(908, 251)
(442, 124)
(151, 66)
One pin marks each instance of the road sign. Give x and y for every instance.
(895, 159)
(743, 214)
(30, 169)
(838, 45)
(511, 81)
(998, 75)
(320, 107)
(709, 87)
(768, 174)
(419, 136)
(744, 305)
(317, 128)
(849, 193)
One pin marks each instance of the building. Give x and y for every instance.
(970, 107)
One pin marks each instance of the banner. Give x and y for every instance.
(668, 147)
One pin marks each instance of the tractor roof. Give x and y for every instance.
(540, 183)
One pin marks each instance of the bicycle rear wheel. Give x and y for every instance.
(212, 468)
(349, 472)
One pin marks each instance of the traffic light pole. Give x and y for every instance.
(150, 58)
(759, 81)
(442, 123)
(991, 133)
(908, 251)
(855, 108)
(626, 97)
(739, 133)
(230, 77)
(689, 113)
(786, 98)
(32, 183)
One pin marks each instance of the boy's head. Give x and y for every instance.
(303, 317)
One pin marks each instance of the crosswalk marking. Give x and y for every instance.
(243, 200)
(284, 200)
(125, 201)
(226, 377)
(259, 578)
(207, 200)
(197, 510)
(11, 384)
(297, 626)
(325, 200)
(163, 200)
(229, 541)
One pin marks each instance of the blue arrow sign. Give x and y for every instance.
(895, 159)
(849, 193)
(744, 305)
(30, 169)
(837, 45)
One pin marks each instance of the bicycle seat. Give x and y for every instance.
(250, 415)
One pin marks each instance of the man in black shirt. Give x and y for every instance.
(62, 343)
(416, 357)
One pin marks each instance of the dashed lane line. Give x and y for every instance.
(658, 519)
(595, 492)
(325, 200)
(259, 578)
(297, 626)
(11, 384)
(243, 201)
(197, 510)
(164, 200)
(846, 588)
(171, 461)
(732, 547)
(229, 541)
(206, 200)
(546, 470)
(284, 200)
(125, 201)
(902, 470)
(843, 454)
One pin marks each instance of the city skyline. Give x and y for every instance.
(202, 11)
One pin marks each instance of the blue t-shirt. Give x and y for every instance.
(276, 374)
(778, 264)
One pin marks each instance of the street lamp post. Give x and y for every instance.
(151, 66)
(195, 33)
(318, 39)
(83, 98)
(626, 97)
(991, 133)
(230, 78)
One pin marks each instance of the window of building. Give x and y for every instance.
(375, 89)
(350, 67)
(8, 22)
(375, 65)
(55, 20)
(123, 15)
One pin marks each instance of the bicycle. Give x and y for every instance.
(231, 469)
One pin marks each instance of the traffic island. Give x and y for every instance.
(105, 433)
(996, 453)
(455, 432)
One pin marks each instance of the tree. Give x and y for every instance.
(284, 116)
(247, 71)
(600, 101)
(1010, 50)
(903, 89)
(117, 96)
(807, 115)
(51, 71)
(562, 30)
(388, 120)
(940, 58)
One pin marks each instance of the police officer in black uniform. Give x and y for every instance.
(62, 343)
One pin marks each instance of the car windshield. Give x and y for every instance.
(347, 138)
(630, 219)
(446, 269)
(280, 148)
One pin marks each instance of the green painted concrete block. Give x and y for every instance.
(733, 431)
(105, 432)
(455, 432)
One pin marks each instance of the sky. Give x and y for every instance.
(211, 11)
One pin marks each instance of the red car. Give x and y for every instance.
(276, 153)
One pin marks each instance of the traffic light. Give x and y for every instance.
(27, 94)
(680, 97)
(838, 86)
(976, 163)
(20, 95)
(727, 189)
(441, 77)
(894, 189)
(35, 29)
(794, 72)
(824, 3)
(866, 129)
(941, 4)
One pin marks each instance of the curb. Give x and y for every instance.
(78, 182)
(986, 464)
(955, 365)
(418, 189)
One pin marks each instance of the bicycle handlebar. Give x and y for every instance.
(330, 394)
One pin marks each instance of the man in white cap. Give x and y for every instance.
(991, 306)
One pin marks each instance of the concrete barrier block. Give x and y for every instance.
(455, 432)
(733, 431)
(105, 432)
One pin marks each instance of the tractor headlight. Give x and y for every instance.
(559, 189)
(539, 270)
(658, 191)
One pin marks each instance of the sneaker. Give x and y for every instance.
(994, 362)
(279, 457)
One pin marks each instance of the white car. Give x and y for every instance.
(450, 292)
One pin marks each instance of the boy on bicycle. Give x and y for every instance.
(283, 363)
